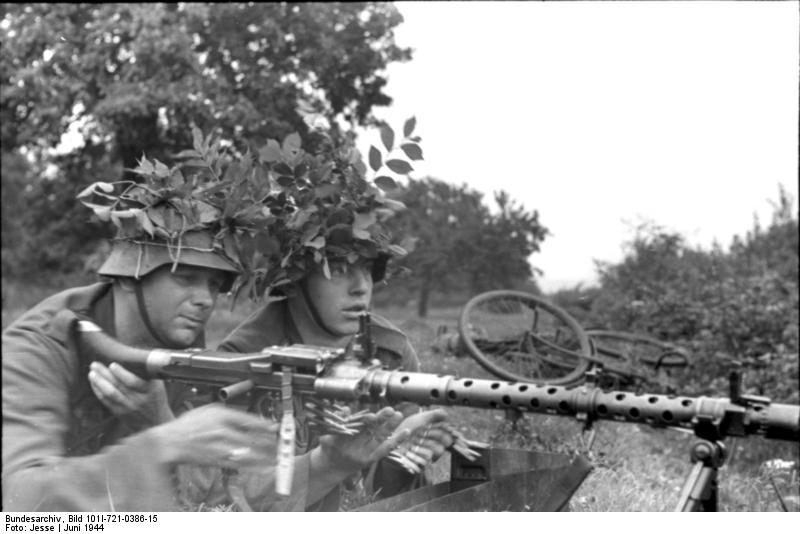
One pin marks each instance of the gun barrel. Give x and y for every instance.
(776, 421)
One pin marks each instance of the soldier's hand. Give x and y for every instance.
(215, 435)
(428, 438)
(124, 393)
(379, 437)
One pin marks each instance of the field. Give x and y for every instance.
(636, 468)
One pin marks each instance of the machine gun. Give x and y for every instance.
(330, 374)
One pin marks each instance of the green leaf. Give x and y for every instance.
(360, 167)
(361, 234)
(197, 140)
(206, 213)
(282, 168)
(92, 188)
(125, 214)
(270, 152)
(157, 216)
(144, 222)
(291, 145)
(161, 170)
(145, 167)
(300, 171)
(326, 190)
(188, 153)
(87, 191)
(386, 183)
(408, 127)
(399, 166)
(310, 233)
(394, 205)
(285, 181)
(362, 221)
(325, 171)
(176, 179)
(103, 212)
(375, 160)
(267, 245)
(317, 243)
(300, 217)
(387, 136)
(354, 156)
(413, 151)
(194, 163)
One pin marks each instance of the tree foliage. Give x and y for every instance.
(458, 244)
(128, 79)
(727, 307)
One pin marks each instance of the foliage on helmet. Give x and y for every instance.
(207, 191)
(325, 208)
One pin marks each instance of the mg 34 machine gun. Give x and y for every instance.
(500, 478)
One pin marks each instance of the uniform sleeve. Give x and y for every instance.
(410, 358)
(38, 374)
(251, 334)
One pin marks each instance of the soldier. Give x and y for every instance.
(80, 436)
(329, 251)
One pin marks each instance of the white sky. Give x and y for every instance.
(602, 114)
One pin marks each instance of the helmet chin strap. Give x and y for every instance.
(137, 285)
(312, 310)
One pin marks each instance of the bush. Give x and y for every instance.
(728, 308)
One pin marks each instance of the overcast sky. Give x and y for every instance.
(601, 115)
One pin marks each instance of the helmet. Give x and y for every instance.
(325, 210)
(188, 214)
(137, 258)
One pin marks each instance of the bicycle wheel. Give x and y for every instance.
(638, 360)
(520, 337)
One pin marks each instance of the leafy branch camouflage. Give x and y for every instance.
(276, 213)
(208, 191)
(325, 206)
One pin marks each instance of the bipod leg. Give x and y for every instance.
(699, 492)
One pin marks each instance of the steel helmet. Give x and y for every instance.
(138, 258)
(187, 214)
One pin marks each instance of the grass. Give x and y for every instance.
(636, 468)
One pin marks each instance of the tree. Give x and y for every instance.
(496, 255)
(725, 306)
(459, 245)
(129, 79)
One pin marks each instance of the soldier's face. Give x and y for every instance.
(179, 304)
(343, 297)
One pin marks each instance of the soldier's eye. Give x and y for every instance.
(338, 268)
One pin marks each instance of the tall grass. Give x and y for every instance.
(636, 468)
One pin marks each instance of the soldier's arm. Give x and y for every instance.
(37, 474)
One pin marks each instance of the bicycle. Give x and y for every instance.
(520, 337)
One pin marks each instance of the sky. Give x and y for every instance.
(605, 115)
